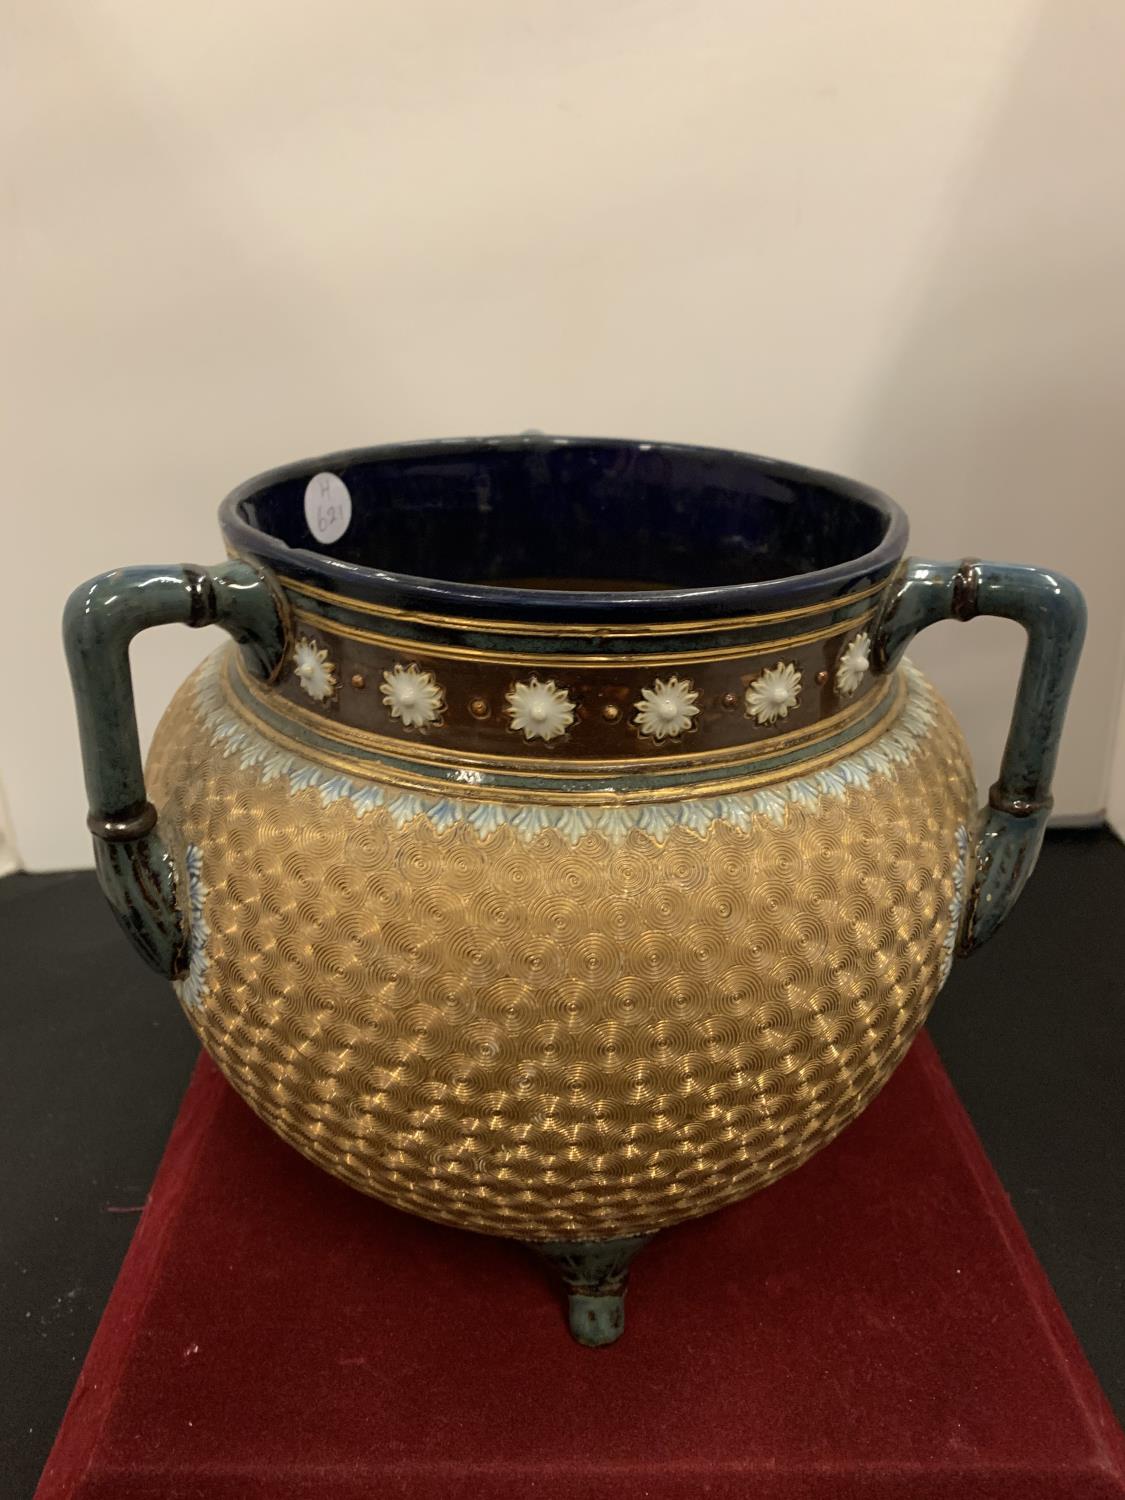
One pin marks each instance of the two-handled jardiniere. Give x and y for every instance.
(562, 848)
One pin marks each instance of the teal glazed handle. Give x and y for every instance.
(1052, 611)
(101, 618)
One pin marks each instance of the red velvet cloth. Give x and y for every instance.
(875, 1325)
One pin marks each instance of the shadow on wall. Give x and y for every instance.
(1003, 406)
(8, 858)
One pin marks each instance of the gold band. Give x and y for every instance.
(519, 627)
(403, 647)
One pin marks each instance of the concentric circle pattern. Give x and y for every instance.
(550, 1038)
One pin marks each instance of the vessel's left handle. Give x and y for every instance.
(101, 618)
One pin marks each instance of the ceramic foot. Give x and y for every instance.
(595, 1273)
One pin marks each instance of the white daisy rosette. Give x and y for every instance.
(412, 696)
(854, 664)
(315, 674)
(539, 710)
(774, 693)
(666, 709)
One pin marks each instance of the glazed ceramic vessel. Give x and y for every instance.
(562, 848)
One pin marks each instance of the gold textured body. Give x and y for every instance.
(556, 1037)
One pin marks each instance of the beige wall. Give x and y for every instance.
(880, 237)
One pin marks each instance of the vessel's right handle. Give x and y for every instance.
(1052, 611)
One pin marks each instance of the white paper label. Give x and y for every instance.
(328, 507)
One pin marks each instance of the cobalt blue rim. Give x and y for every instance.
(255, 512)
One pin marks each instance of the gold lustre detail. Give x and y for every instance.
(548, 1038)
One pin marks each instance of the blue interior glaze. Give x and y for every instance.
(538, 528)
